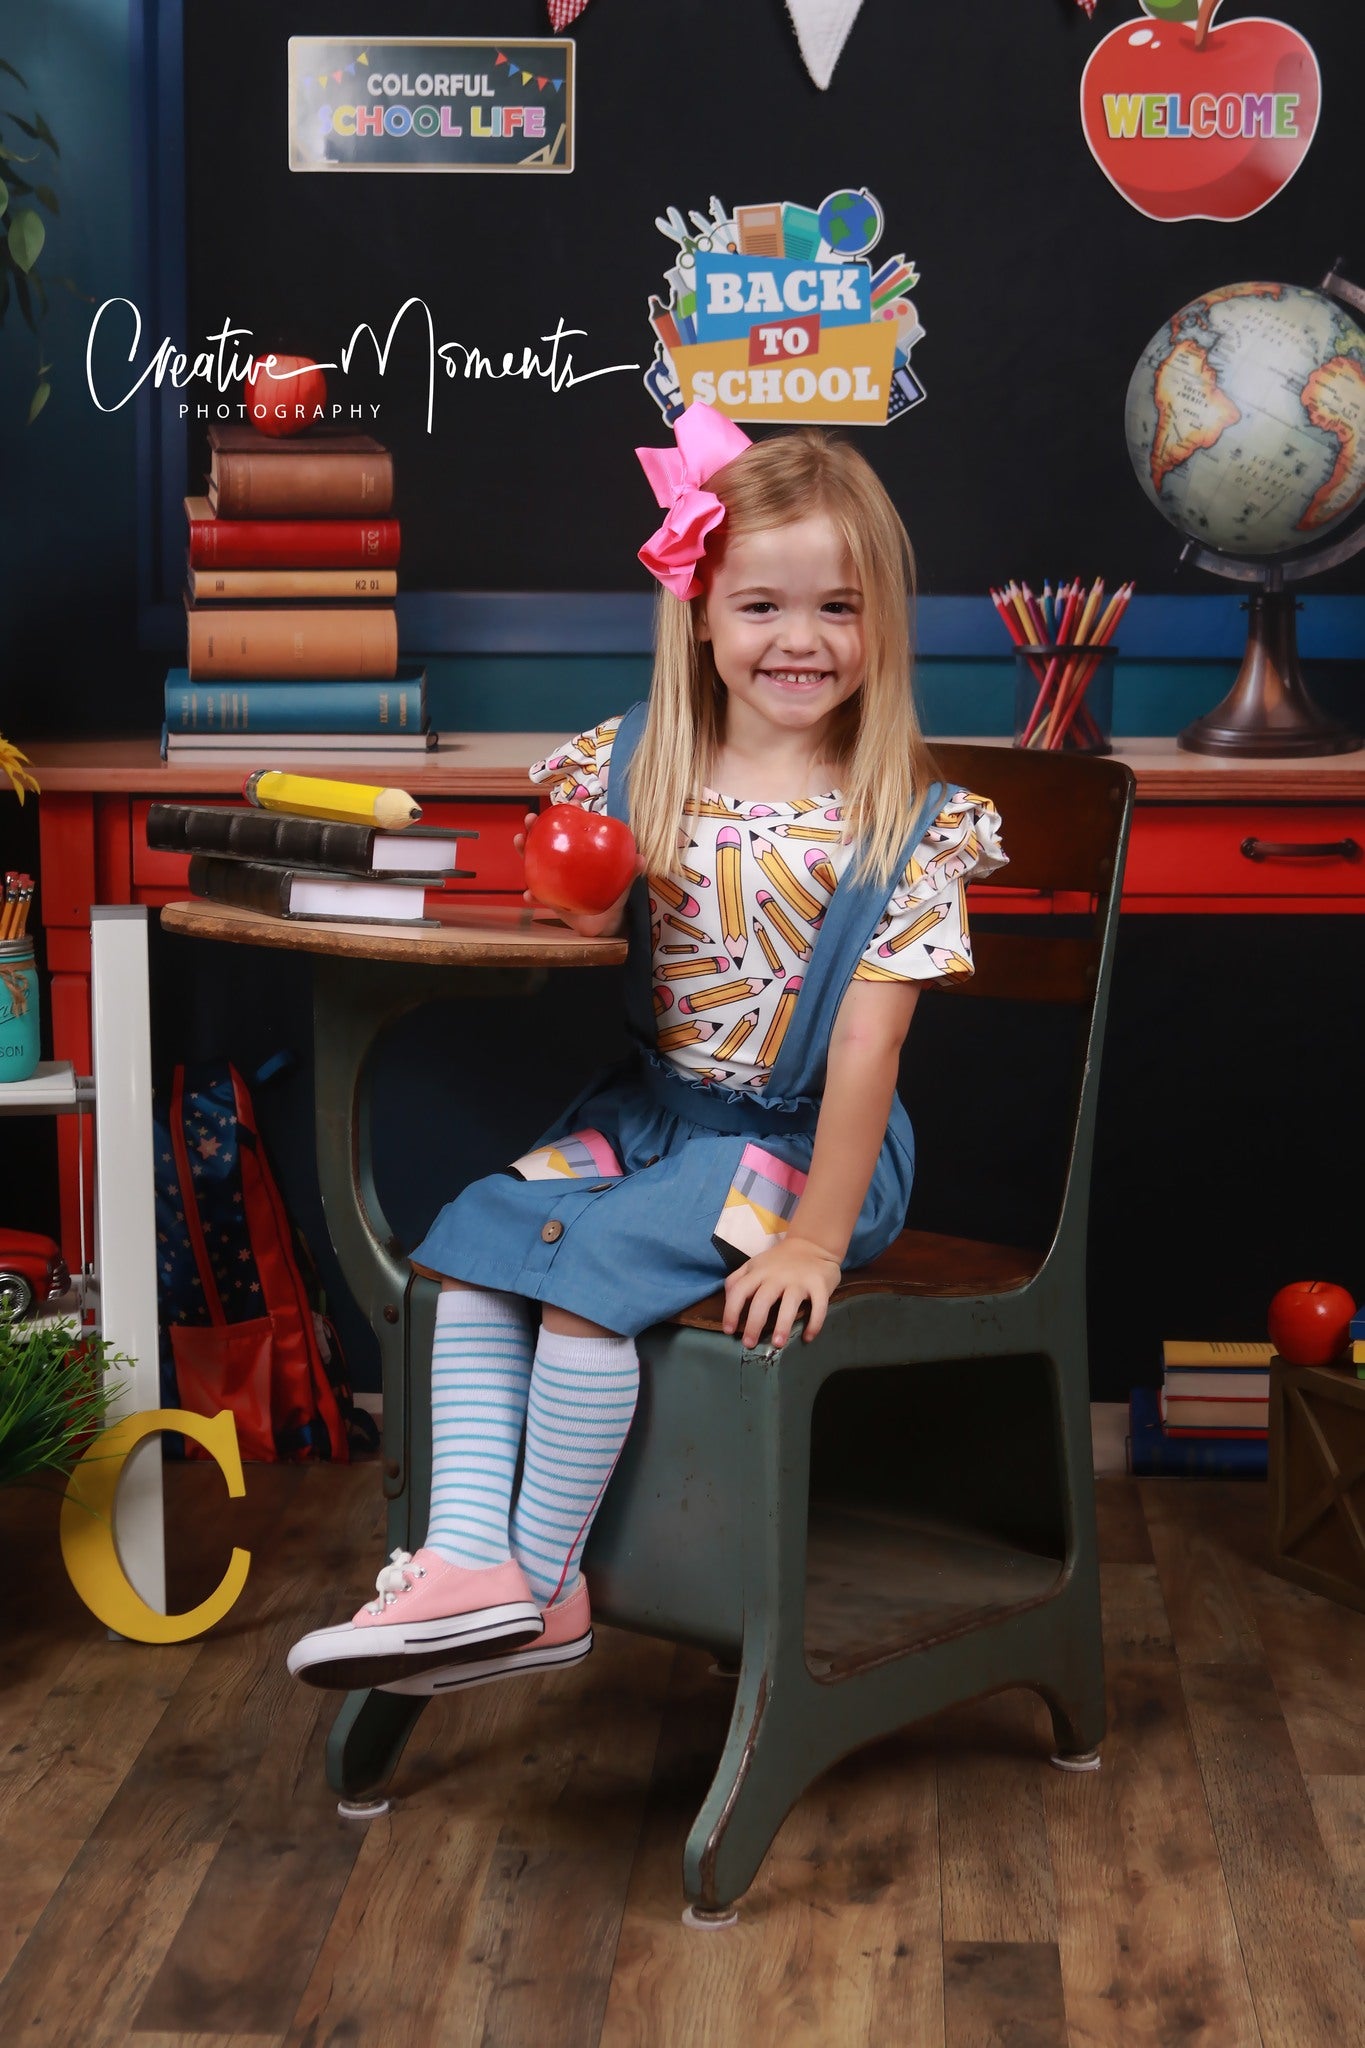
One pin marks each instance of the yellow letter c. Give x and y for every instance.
(87, 1528)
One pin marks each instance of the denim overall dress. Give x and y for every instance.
(612, 1214)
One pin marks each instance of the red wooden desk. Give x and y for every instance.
(1195, 816)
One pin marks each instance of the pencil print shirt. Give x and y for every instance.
(733, 924)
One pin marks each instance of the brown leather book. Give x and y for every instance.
(319, 475)
(281, 643)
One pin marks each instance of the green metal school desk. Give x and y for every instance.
(895, 1518)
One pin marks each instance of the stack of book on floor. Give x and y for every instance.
(288, 866)
(1211, 1413)
(289, 599)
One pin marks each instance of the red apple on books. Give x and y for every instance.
(579, 860)
(285, 390)
(1310, 1322)
(1193, 122)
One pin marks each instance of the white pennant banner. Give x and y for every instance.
(822, 28)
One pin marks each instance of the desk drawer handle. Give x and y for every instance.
(1324, 849)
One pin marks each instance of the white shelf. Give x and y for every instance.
(53, 1086)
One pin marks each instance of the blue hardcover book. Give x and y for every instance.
(396, 704)
(1151, 1451)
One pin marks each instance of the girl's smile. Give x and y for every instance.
(784, 616)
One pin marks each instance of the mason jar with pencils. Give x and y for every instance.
(19, 1035)
(18, 1010)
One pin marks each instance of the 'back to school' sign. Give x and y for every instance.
(407, 104)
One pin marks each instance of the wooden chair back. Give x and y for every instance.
(1065, 829)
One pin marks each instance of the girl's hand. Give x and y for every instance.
(785, 1275)
(601, 924)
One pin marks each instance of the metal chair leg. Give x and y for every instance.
(367, 1739)
(757, 1781)
(1077, 1707)
(769, 1750)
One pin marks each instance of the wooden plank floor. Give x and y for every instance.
(173, 1871)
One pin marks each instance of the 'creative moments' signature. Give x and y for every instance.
(221, 365)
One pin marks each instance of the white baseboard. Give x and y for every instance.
(1108, 1428)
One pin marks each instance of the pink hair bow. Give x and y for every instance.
(707, 440)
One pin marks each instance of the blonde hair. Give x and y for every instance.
(884, 762)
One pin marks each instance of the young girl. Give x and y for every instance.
(801, 877)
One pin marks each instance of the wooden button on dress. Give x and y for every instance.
(552, 1230)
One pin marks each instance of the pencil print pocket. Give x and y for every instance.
(585, 1155)
(759, 1207)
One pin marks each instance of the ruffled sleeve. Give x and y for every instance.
(922, 934)
(577, 770)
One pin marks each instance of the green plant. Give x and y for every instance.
(53, 1396)
(23, 239)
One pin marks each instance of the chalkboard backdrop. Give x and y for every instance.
(1039, 284)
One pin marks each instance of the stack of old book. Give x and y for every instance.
(292, 631)
(1210, 1414)
(289, 866)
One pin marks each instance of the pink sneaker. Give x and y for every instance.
(426, 1612)
(567, 1640)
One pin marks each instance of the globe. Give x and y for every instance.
(1246, 418)
(850, 222)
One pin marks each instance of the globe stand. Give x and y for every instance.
(1268, 710)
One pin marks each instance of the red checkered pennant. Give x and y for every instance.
(562, 12)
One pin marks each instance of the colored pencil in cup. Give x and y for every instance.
(1071, 685)
(1104, 633)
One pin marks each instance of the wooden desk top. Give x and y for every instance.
(480, 764)
(495, 764)
(470, 936)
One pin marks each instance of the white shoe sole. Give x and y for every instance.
(346, 1657)
(517, 1664)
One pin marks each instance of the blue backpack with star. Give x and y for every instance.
(238, 1329)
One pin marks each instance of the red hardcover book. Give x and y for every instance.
(289, 543)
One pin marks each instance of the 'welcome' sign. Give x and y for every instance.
(407, 104)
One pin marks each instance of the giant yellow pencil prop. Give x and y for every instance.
(314, 796)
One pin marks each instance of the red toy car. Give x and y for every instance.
(31, 1269)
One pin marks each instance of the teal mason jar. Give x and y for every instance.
(18, 1010)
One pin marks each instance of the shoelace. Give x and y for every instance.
(394, 1579)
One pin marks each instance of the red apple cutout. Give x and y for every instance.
(1310, 1322)
(579, 860)
(1195, 122)
(278, 392)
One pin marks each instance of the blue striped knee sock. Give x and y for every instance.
(583, 1393)
(480, 1372)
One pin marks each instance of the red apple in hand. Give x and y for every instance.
(279, 385)
(1193, 122)
(1310, 1322)
(579, 860)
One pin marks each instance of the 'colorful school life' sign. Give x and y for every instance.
(413, 104)
(777, 313)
